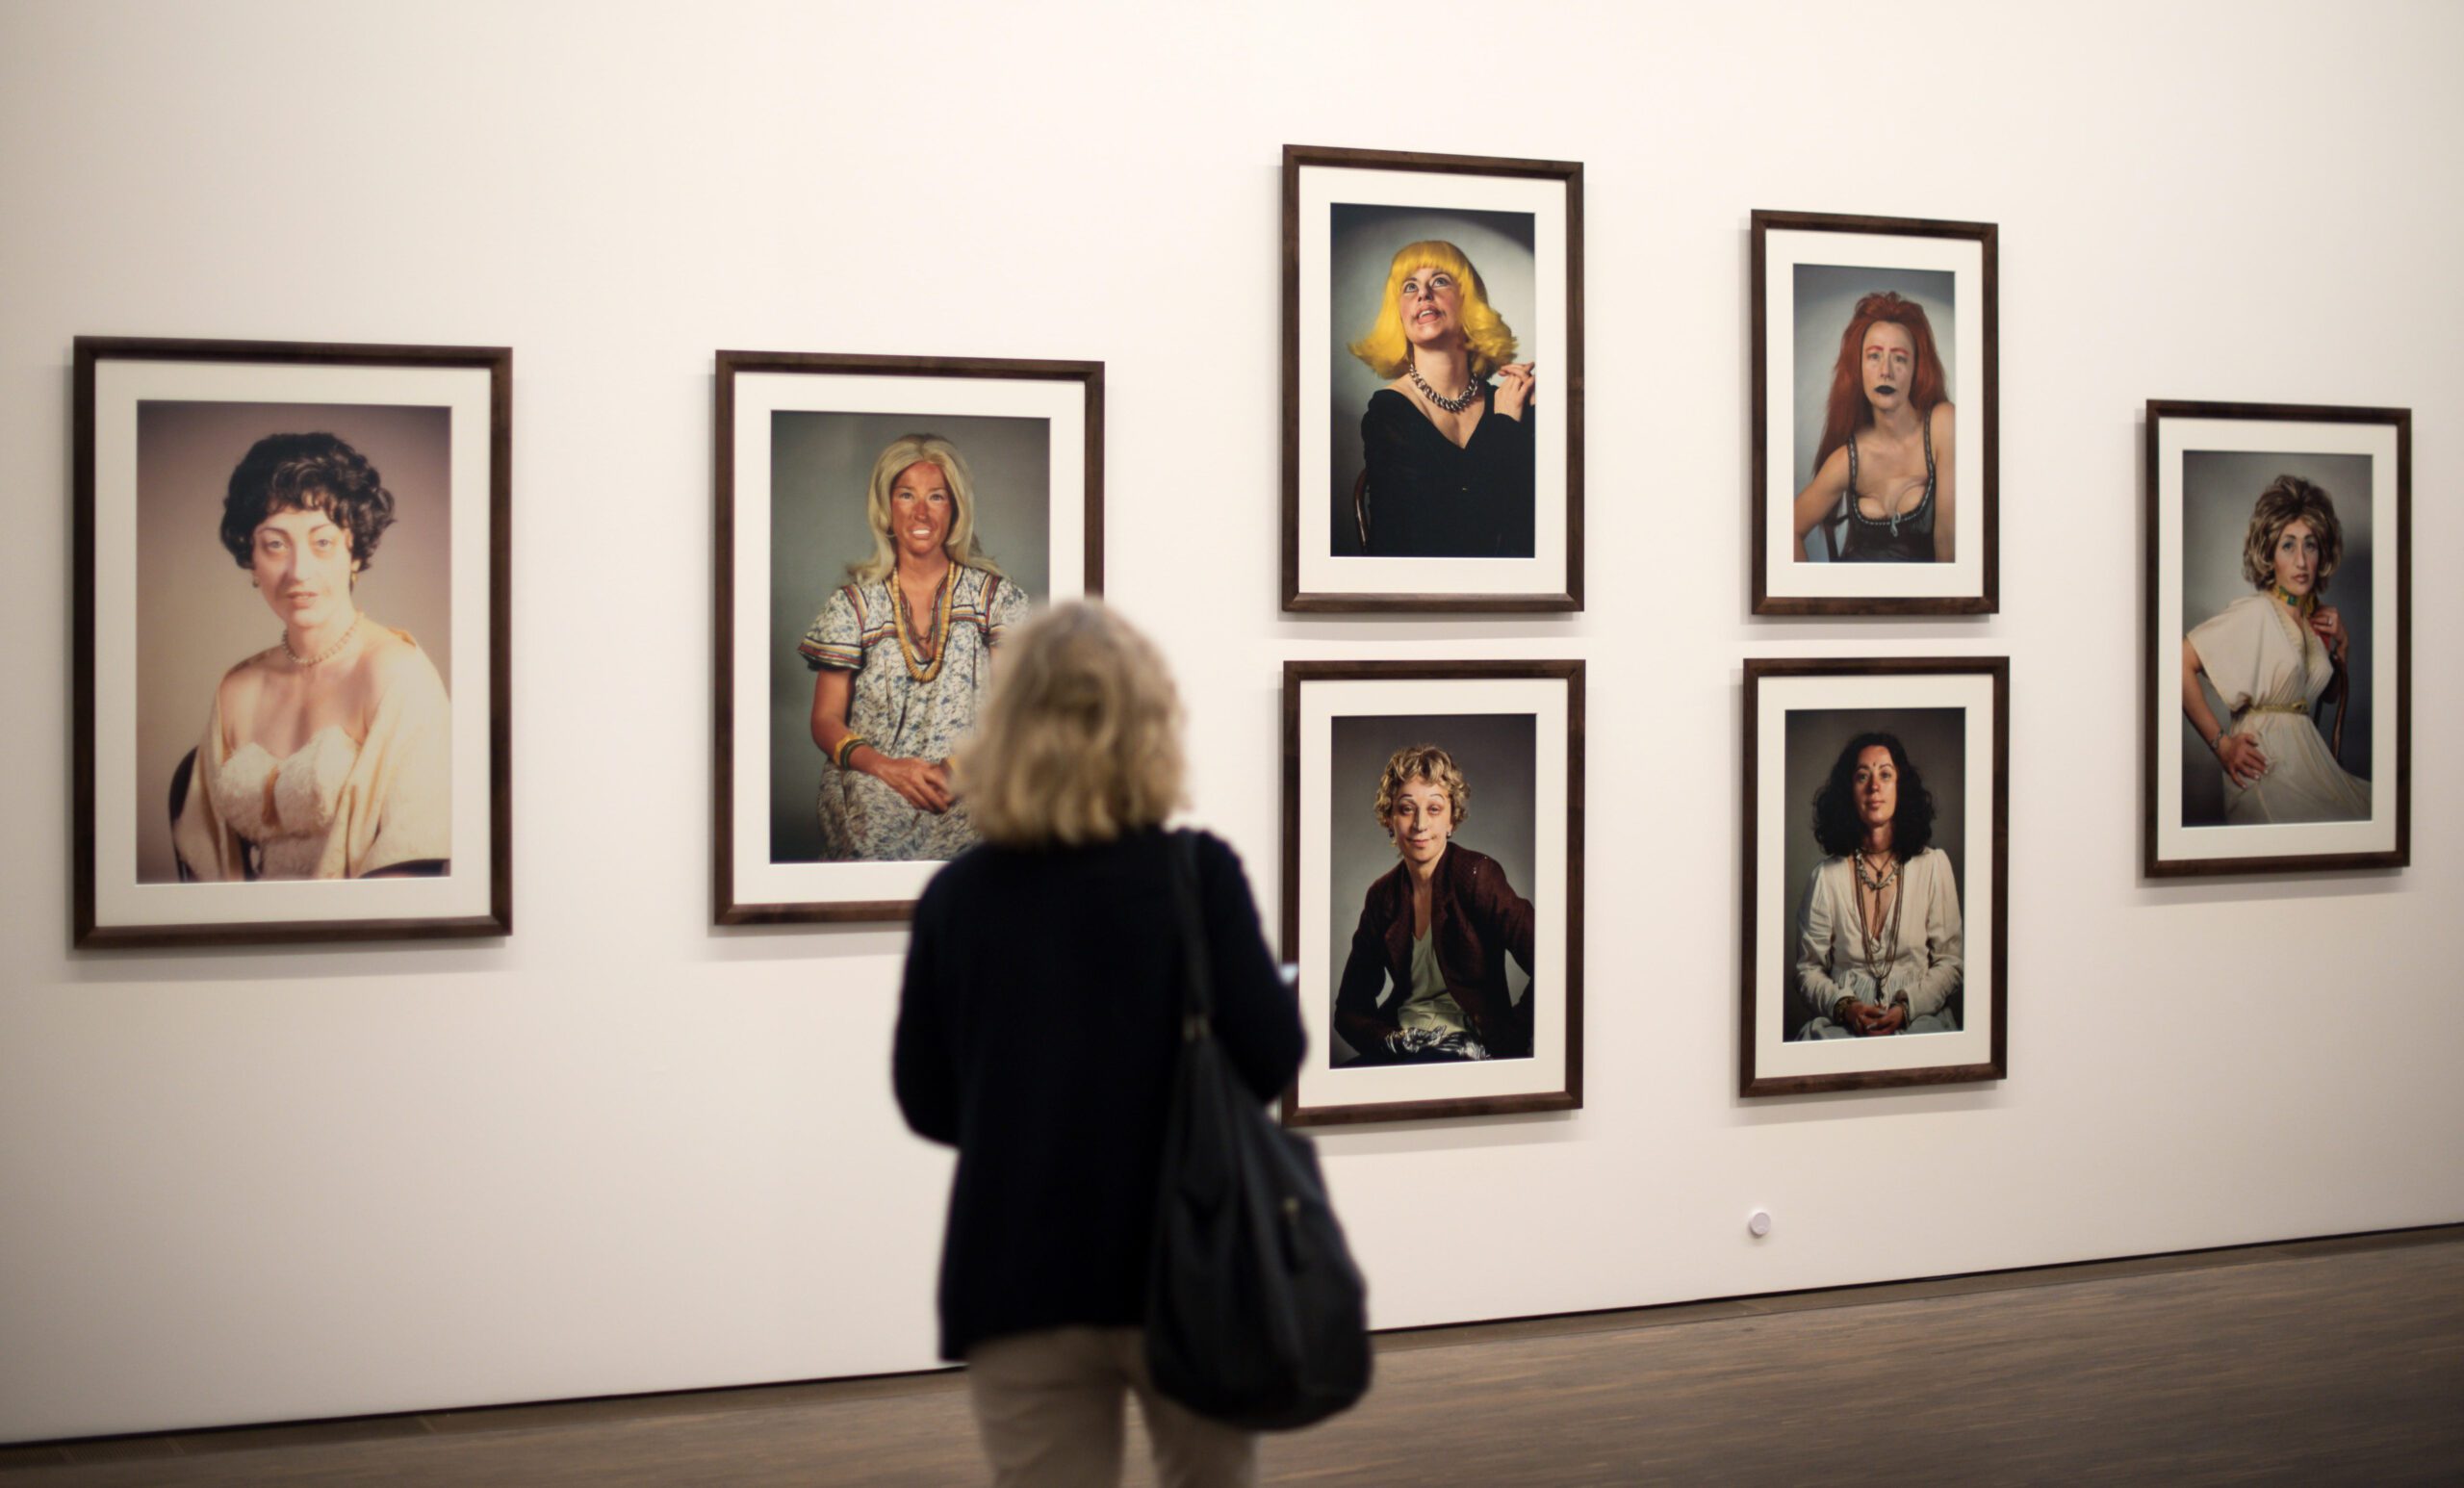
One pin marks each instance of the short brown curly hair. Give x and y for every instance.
(306, 473)
(1422, 762)
(2286, 500)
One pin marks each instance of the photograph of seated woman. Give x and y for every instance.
(2271, 656)
(1425, 980)
(328, 754)
(1878, 940)
(1882, 486)
(1448, 453)
(901, 655)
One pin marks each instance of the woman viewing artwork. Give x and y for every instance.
(1449, 453)
(1883, 482)
(901, 655)
(1878, 939)
(1425, 980)
(325, 756)
(2272, 657)
(1039, 1029)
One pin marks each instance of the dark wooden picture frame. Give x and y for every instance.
(1456, 702)
(1770, 1063)
(2206, 465)
(1307, 546)
(1976, 485)
(238, 384)
(945, 390)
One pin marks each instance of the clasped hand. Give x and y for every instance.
(922, 784)
(1870, 1020)
(1515, 384)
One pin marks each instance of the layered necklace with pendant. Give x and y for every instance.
(924, 658)
(1470, 394)
(1873, 879)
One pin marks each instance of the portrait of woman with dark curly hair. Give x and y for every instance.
(1877, 937)
(326, 750)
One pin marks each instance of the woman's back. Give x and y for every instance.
(1039, 1031)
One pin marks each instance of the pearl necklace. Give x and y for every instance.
(326, 655)
(1470, 395)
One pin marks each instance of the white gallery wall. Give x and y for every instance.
(621, 1150)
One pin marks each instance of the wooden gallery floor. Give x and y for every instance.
(2338, 1361)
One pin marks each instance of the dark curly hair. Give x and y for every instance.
(314, 473)
(1835, 805)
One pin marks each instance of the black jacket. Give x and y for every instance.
(1477, 917)
(1038, 1033)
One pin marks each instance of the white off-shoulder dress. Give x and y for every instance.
(2270, 670)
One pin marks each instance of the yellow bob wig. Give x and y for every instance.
(1386, 351)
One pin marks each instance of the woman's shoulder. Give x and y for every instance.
(974, 582)
(243, 679)
(393, 659)
(1390, 405)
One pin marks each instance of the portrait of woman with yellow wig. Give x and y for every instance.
(1446, 443)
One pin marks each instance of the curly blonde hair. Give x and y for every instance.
(2286, 500)
(1386, 349)
(1080, 740)
(1422, 762)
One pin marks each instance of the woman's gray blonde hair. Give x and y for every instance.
(2286, 498)
(1080, 740)
(1423, 763)
(895, 458)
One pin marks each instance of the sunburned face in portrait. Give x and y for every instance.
(1423, 820)
(1432, 303)
(2296, 558)
(922, 509)
(302, 565)
(1889, 361)
(1877, 787)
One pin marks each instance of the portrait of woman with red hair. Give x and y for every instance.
(1882, 486)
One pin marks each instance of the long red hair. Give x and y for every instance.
(1848, 410)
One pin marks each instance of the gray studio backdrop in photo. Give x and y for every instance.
(196, 613)
(820, 467)
(1936, 739)
(1827, 295)
(1365, 241)
(1499, 756)
(2218, 489)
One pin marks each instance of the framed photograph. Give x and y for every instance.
(882, 522)
(293, 700)
(2280, 632)
(1432, 376)
(1875, 423)
(1877, 813)
(1432, 886)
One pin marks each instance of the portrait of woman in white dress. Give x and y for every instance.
(2279, 659)
(1878, 932)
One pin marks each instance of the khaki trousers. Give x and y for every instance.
(1049, 1406)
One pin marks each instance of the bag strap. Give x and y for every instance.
(1197, 975)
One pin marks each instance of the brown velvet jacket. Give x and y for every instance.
(1477, 917)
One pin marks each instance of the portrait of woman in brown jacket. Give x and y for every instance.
(1425, 980)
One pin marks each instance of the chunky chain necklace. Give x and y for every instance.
(924, 660)
(1878, 953)
(1469, 396)
(326, 655)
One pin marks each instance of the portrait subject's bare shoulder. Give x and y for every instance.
(1944, 421)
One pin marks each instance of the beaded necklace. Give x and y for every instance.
(924, 661)
(1878, 953)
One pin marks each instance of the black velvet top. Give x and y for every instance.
(1039, 1029)
(1431, 499)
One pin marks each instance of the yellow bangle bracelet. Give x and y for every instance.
(847, 749)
